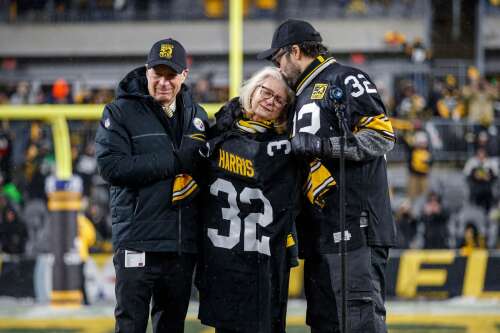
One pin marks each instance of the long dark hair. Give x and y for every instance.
(310, 49)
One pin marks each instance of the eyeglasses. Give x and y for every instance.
(267, 93)
(277, 57)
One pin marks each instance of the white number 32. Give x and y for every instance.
(231, 214)
(360, 88)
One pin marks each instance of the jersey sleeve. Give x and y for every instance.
(364, 106)
(371, 134)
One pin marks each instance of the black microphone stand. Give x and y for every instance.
(336, 95)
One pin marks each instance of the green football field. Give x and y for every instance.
(456, 316)
(106, 326)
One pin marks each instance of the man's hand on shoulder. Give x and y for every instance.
(227, 114)
(309, 145)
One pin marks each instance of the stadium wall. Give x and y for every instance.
(206, 37)
(199, 37)
(411, 274)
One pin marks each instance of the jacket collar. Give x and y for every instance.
(313, 70)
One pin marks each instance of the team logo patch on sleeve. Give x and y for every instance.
(107, 123)
(319, 90)
(198, 123)
(166, 51)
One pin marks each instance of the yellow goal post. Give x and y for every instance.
(57, 116)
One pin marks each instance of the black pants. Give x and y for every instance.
(165, 281)
(365, 291)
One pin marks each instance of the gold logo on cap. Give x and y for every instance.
(319, 90)
(166, 51)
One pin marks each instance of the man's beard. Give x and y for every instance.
(293, 73)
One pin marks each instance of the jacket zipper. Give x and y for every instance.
(179, 214)
(179, 220)
(179, 240)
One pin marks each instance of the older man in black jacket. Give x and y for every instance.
(147, 140)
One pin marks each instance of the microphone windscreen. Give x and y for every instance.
(336, 94)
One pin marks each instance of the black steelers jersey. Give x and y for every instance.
(249, 210)
(367, 194)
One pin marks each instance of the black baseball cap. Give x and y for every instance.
(168, 52)
(288, 33)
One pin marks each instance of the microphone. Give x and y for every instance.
(336, 94)
(336, 97)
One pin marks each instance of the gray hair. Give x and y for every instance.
(248, 88)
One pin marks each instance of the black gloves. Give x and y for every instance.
(189, 155)
(209, 147)
(186, 159)
(309, 145)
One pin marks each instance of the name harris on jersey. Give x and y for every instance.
(236, 164)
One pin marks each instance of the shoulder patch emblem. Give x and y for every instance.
(319, 90)
(107, 123)
(198, 123)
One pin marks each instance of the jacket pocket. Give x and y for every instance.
(360, 302)
(361, 311)
(150, 142)
(153, 202)
(121, 214)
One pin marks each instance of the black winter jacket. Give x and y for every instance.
(136, 155)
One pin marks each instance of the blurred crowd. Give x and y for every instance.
(63, 92)
(432, 216)
(105, 10)
(15, 11)
(27, 169)
(474, 102)
(58, 92)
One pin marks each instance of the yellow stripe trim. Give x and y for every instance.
(181, 181)
(389, 136)
(188, 193)
(290, 241)
(319, 182)
(254, 125)
(64, 195)
(321, 188)
(379, 123)
(244, 123)
(198, 135)
(66, 296)
(311, 72)
(266, 124)
(181, 190)
(64, 205)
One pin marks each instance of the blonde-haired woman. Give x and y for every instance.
(264, 96)
(250, 207)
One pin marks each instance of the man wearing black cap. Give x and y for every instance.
(297, 50)
(145, 143)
